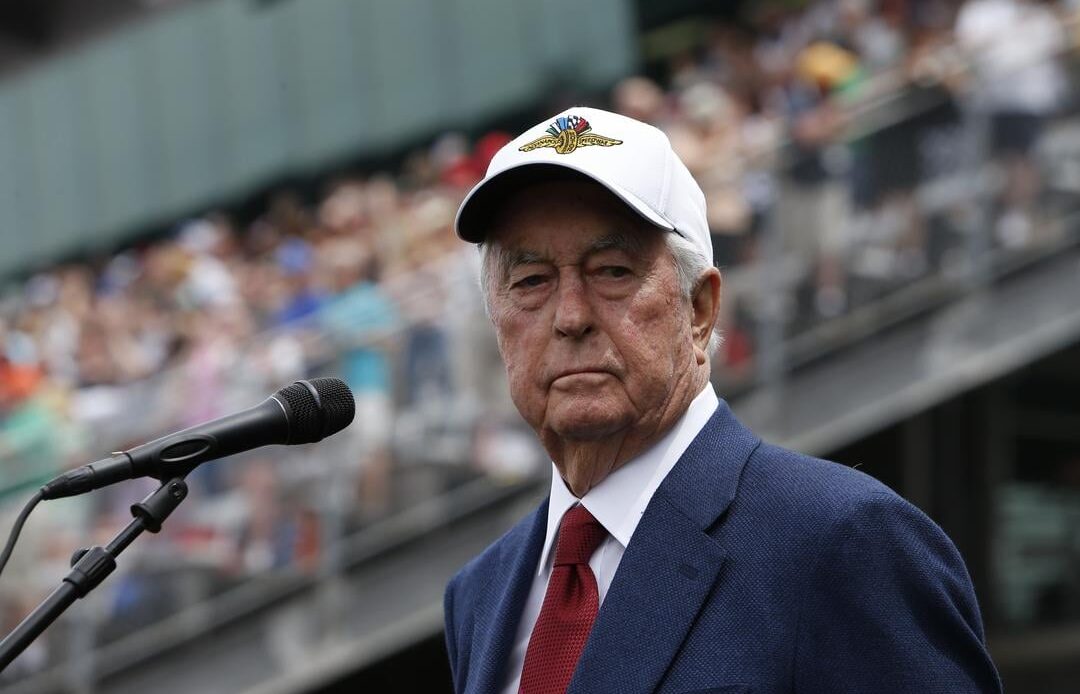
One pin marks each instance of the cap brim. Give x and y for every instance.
(472, 220)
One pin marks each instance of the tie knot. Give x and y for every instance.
(579, 536)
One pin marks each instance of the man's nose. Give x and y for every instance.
(573, 315)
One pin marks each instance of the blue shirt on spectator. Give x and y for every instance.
(358, 318)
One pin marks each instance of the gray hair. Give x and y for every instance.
(690, 265)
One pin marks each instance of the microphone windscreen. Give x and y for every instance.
(337, 402)
(317, 408)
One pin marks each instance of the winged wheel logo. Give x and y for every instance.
(568, 133)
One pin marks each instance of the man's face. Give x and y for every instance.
(591, 323)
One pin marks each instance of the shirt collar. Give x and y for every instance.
(619, 501)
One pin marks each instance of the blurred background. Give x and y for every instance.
(202, 200)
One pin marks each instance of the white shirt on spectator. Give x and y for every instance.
(1014, 47)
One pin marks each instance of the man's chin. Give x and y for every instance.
(587, 421)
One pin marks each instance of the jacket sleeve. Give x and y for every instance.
(451, 635)
(889, 607)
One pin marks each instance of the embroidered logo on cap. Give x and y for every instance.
(568, 133)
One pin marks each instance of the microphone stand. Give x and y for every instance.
(89, 567)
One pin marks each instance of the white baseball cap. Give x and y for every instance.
(631, 159)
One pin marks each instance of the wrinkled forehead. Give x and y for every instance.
(632, 247)
(564, 215)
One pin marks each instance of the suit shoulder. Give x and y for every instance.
(783, 466)
(482, 567)
(808, 487)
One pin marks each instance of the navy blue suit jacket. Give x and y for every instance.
(753, 569)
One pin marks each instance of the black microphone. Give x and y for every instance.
(304, 412)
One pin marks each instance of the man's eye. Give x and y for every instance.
(615, 271)
(530, 281)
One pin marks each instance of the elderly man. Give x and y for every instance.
(676, 551)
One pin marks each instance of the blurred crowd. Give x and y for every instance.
(858, 145)
(836, 142)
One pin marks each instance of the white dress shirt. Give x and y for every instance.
(618, 502)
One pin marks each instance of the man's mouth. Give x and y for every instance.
(581, 374)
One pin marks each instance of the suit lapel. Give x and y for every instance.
(499, 614)
(669, 568)
(664, 576)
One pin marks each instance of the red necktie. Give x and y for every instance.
(570, 607)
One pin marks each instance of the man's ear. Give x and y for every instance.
(705, 305)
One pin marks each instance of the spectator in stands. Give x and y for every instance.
(875, 33)
(1015, 48)
(363, 324)
(303, 295)
(642, 99)
(812, 206)
(708, 138)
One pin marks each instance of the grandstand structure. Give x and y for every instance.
(201, 200)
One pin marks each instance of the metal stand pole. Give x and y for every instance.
(89, 567)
